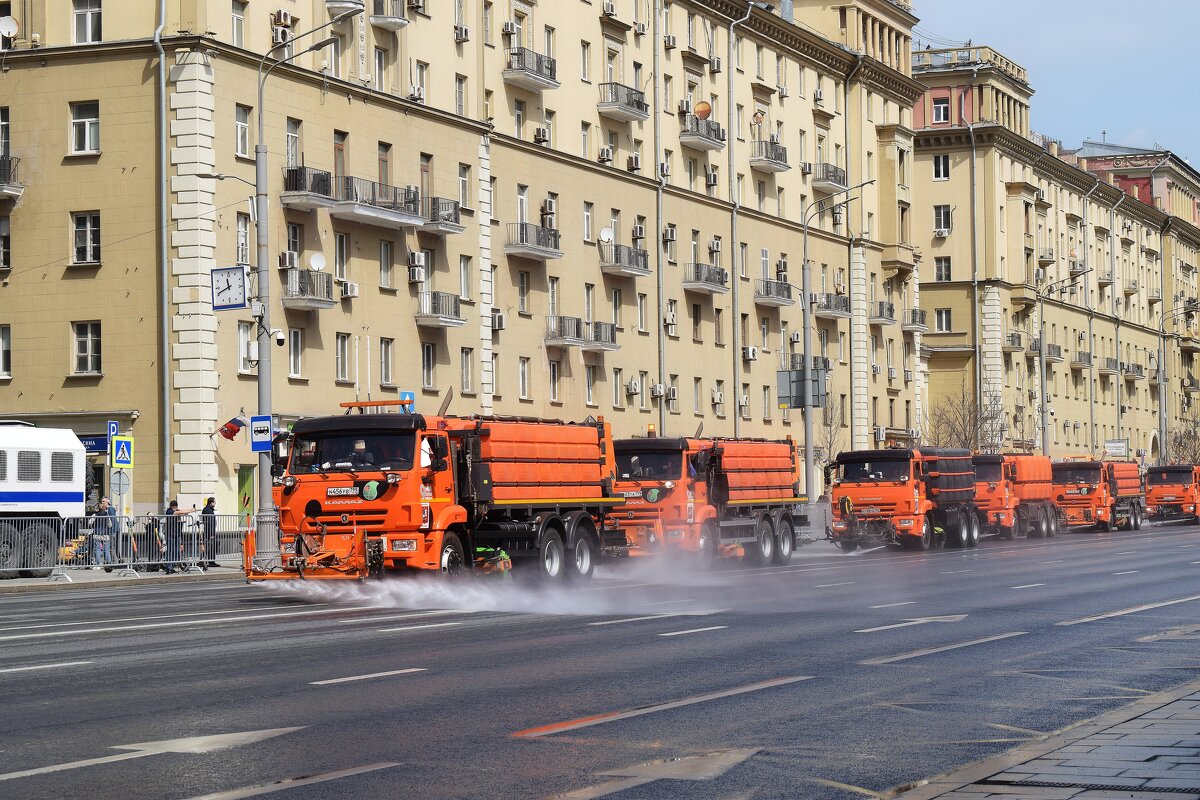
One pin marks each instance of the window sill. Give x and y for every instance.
(297, 379)
(387, 387)
(429, 390)
(643, 332)
(337, 382)
(468, 394)
(83, 154)
(556, 403)
(525, 314)
(245, 158)
(463, 210)
(86, 264)
(242, 373)
(76, 376)
(389, 290)
(466, 301)
(527, 400)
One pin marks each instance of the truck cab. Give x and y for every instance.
(659, 480)
(1173, 493)
(1106, 494)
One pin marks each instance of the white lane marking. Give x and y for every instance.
(931, 650)
(893, 605)
(1126, 572)
(955, 571)
(331, 681)
(831, 585)
(600, 719)
(1134, 610)
(155, 616)
(288, 783)
(1187, 545)
(1028, 585)
(419, 627)
(1125, 553)
(46, 666)
(671, 602)
(695, 630)
(632, 619)
(1055, 561)
(1196, 562)
(117, 628)
(910, 622)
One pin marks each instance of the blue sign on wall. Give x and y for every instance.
(95, 444)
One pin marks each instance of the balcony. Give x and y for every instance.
(1076, 268)
(769, 292)
(337, 8)
(701, 134)
(624, 261)
(881, 312)
(439, 310)
(1188, 343)
(370, 203)
(1081, 359)
(1014, 342)
(1046, 256)
(1104, 278)
(831, 306)
(1131, 287)
(828, 178)
(898, 258)
(1190, 384)
(574, 332)
(306, 189)
(1109, 366)
(599, 337)
(1133, 372)
(1054, 354)
(706, 278)
(1156, 377)
(10, 187)
(915, 320)
(534, 242)
(442, 216)
(769, 156)
(1035, 347)
(622, 103)
(388, 14)
(1023, 294)
(1153, 295)
(307, 290)
(529, 70)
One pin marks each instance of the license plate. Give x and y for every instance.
(1169, 497)
(870, 510)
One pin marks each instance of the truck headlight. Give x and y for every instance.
(289, 481)
(393, 478)
(404, 545)
(905, 523)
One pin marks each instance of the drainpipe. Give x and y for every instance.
(1112, 266)
(660, 255)
(736, 203)
(1091, 316)
(164, 359)
(962, 118)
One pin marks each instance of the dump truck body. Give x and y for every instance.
(1014, 494)
(1104, 494)
(711, 497)
(1173, 492)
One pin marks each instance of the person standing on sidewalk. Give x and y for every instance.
(208, 526)
(173, 536)
(103, 531)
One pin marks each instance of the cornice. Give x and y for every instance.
(891, 82)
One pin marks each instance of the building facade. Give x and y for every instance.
(543, 209)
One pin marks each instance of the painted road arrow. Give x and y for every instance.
(192, 744)
(918, 621)
(692, 768)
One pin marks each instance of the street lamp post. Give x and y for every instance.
(811, 210)
(1044, 405)
(266, 524)
(1185, 311)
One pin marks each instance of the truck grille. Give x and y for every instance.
(360, 520)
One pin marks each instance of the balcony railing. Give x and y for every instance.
(1131, 286)
(769, 156)
(701, 134)
(1054, 352)
(1133, 371)
(621, 102)
(576, 332)
(769, 292)
(441, 215)
(599, 336)
(439, 310)
(916, 319)
(373, 203)
(882, 312)
(828, 178)
(1104, 277)
(533, 241)
(1046, 255)
(706, 278)
(623, 260)
(1109, 366)
(531, 70)
(306, 188)
(308, 290)
(388, 14)
(1081, 359)
(1076, 268)
(564, 330)
(832, 306)
(10, 187)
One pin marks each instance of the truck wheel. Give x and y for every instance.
(956, 531)
(1037, 526)
(40, 552)
(10, 550)
(1006, 533)
(972, 530)
(1137, 518)
(925, 541)
(785, 542)
(451, 559)
(583, 558)
(762, 549)
(709, 543)
(551, 557)
(1051, 524)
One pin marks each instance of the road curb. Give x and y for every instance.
(993, 765)
(152, 579)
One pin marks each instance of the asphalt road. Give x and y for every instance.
(654, 681)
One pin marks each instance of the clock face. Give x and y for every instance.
(228, 288)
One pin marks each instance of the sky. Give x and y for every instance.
(1095, 65)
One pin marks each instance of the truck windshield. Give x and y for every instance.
(1169, 477)
(873, 471)
(663, 465)
(354, 452)
(987, 471)
(1071, 473)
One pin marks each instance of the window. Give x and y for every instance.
(295, 237)
(245, 337)
(523, 377)
(87, 21)
(941, 167)
(518, 117)
(295, 352)
(697, 317)
(466, 369)
(5, 351)
(641, 312)
(941, 109)
(698, 395)
(588, 209)
(241, 131)
(941, 217)
(341, 256)
(941, 268)
(85, 127)
(381, 59)
(589, 301)
(464, 185)
(942, 319)
(428, 360)
(616, 307)
(585, 61)
(238, 36)
(420, 87)
(292, 142)
(341, 357)
(618, 388)
(523, 292)
(464, 277)
(460, 95)
(487, 23)
(386, 260)
(243, 238)
(589, 384)
(555, 369)
(335, 56)
(87, 237)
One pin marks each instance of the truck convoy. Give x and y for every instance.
(918, 498)
(372, 492)
(1173, 493)
(1107, 494)
(711, 497)
(1013, 493)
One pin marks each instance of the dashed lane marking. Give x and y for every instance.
(331, 681)
(695, 630)
(846, 787)
(1126, 572)
(1134, 610)
(893, 605)
(831, 585)
(419, 627)
(874, 662)
(46, 666)
(289, 783)
(1029, 585)
(180, 623)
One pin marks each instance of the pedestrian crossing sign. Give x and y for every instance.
(121, 452)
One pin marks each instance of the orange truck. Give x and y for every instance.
(711, 497)
(1014, 493)
(1104, 494)
(918, 498)
(1173, 493)
(365, 494)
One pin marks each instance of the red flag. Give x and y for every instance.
(230, 429)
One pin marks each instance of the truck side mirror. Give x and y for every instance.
(439, 465)
(827, 474)
(277, 470)
(701, 460)
(440, 447)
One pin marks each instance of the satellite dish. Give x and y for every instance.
(8, 27)
(703, 109)
(317, 261)
(606, 235)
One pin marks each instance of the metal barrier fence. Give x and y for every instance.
(50, 547)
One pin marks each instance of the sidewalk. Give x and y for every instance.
(230, 570)
(1149, 750)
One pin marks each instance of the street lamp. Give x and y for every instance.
(267, 526)
(810, 211)
(1043, 404)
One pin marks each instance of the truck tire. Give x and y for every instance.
(785, 542)
(1037, 525)
(925, 540)
(1136, 518)
(709, 544)
(762, 549)
(552, 562)
(956, 530)
(451, 559)
(582, 562)
(10, 550)
(1051, 523)
(972, 530)
(41, 551)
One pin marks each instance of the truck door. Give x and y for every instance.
(437, 479)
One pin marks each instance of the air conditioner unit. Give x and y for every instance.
(282, 18)
(714, 66)
(498, 321)
(610, 9)
(640, 29)
(876, 369)
(941, 233)
(669, 233)
(280, 34)
(818, 96)
(744, 402)
(462, 34)
(541, 135)
(416, 259)
(349, 290)
(416, 94)
(656, 390)
(605, 155)
(891, 373)
(714, 246)
(669, 42)
(773, 138)
(669, 318)
(673, 393)
(664, 169)
(839, 287)
(633, 388)
(417, 5)
(508, 28)
(639, 233)
(717, 397)
(1039, 275)
(880, 433)
(633, 163)
(908, 376)
(289, 259)
(796, 338)
(783, 92)
(549, 206)
(750, 353)
(806, 168)
(416, 274)
(711, 178)
(685, 106)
